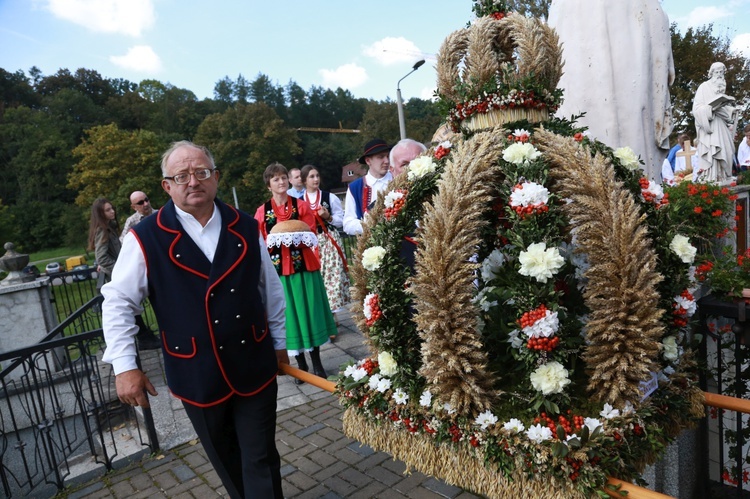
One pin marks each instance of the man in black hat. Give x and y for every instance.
(363, 192)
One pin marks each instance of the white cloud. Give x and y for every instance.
(741, 44)
(127, 17)
(140, 58)
(700, 16)
(428, 93)
(390, 51)
(347, 76)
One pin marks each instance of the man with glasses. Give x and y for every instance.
(220, 308)
(142, 207)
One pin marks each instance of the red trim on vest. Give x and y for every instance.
(178, 355)
(171, 247)
(143, 251)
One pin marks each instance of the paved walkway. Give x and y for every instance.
(317, 460)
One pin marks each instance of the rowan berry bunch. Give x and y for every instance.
(394, 205)
(545, 344)
(529, 318)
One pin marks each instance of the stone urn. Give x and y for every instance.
(14, 262)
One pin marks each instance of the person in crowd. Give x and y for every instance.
(104, 240)
(142, 208)
(743, 150)
(220, 306)
(675, 149)
(363, 192)
(309, 321)
(402, 153)
(682, 168)
(328, 216)
(296, 185)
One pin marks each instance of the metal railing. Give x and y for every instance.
(61, 417)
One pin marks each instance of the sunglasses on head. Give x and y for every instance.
(140, 203)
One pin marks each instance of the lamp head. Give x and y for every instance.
(418, 64)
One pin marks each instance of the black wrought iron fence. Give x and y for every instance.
(726, 434)
(61, 418)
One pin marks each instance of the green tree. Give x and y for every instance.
(244, 140)
(531, 8)
(380, 119)
(694, 52)
(112, 163)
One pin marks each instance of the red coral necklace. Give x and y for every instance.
(283, 212)
(315, 205)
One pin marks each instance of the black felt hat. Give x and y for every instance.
(375, 146)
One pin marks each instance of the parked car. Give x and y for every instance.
(31, 270)
(82, 272)
(53, 268)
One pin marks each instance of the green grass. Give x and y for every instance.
(42, 258)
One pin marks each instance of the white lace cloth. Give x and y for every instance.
(288, 239)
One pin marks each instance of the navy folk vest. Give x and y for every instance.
(212, 319)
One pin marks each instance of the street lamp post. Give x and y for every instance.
(400, 102)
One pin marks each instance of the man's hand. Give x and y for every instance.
(130, 386)
(282, 358)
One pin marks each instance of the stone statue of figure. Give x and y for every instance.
(715, 116)
(618, 69)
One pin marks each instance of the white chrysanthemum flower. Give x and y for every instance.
(529, 194)
(592, 424)
(545, 327)
(519, 153)
(446, 144)
(514, 425)
(373, 382)
(687, 304)
(539, 433)
(373, 257)
(391, 198)
(383, 385)
(486, 419)
(425, 400)
(419, 167)
(682, 247)
(609, 412)
(549, 378)
(400, 396)
(628, 158)
(492, 264)
(670, 347)
(354, 372)
(387, 364)
(540, 262)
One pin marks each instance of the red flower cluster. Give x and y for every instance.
(702, 270)
(681, 315)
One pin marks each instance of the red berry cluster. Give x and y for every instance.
(525, 211)
(569, 425)
(523, 138)
(369, 365)
(649, 197)
(578, 137)
(638, 429)
(529, 318)
(474, 441)
(546, 344)
(427, 428)
(576, 465)
(681, 318)
(455, 433)
(441, 152)
(376, 313)
(397, 205)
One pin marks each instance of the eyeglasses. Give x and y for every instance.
(200, 174)
(142, 201)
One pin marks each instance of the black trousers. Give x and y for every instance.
(239, 437)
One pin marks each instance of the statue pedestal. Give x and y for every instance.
(26, 314)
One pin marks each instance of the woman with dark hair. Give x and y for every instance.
(288, 227)
(328, 216)
(104, 239)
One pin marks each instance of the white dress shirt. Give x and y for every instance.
(743, 154)
(129, 287)
(352, 224)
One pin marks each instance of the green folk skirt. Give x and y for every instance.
(309, 321)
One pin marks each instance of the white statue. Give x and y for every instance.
(715, 116)
(618, 68)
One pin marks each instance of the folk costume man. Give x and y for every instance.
(220, 307)
(363, 192)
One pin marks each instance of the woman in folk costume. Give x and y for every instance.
(288, 226)
(329, 215)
